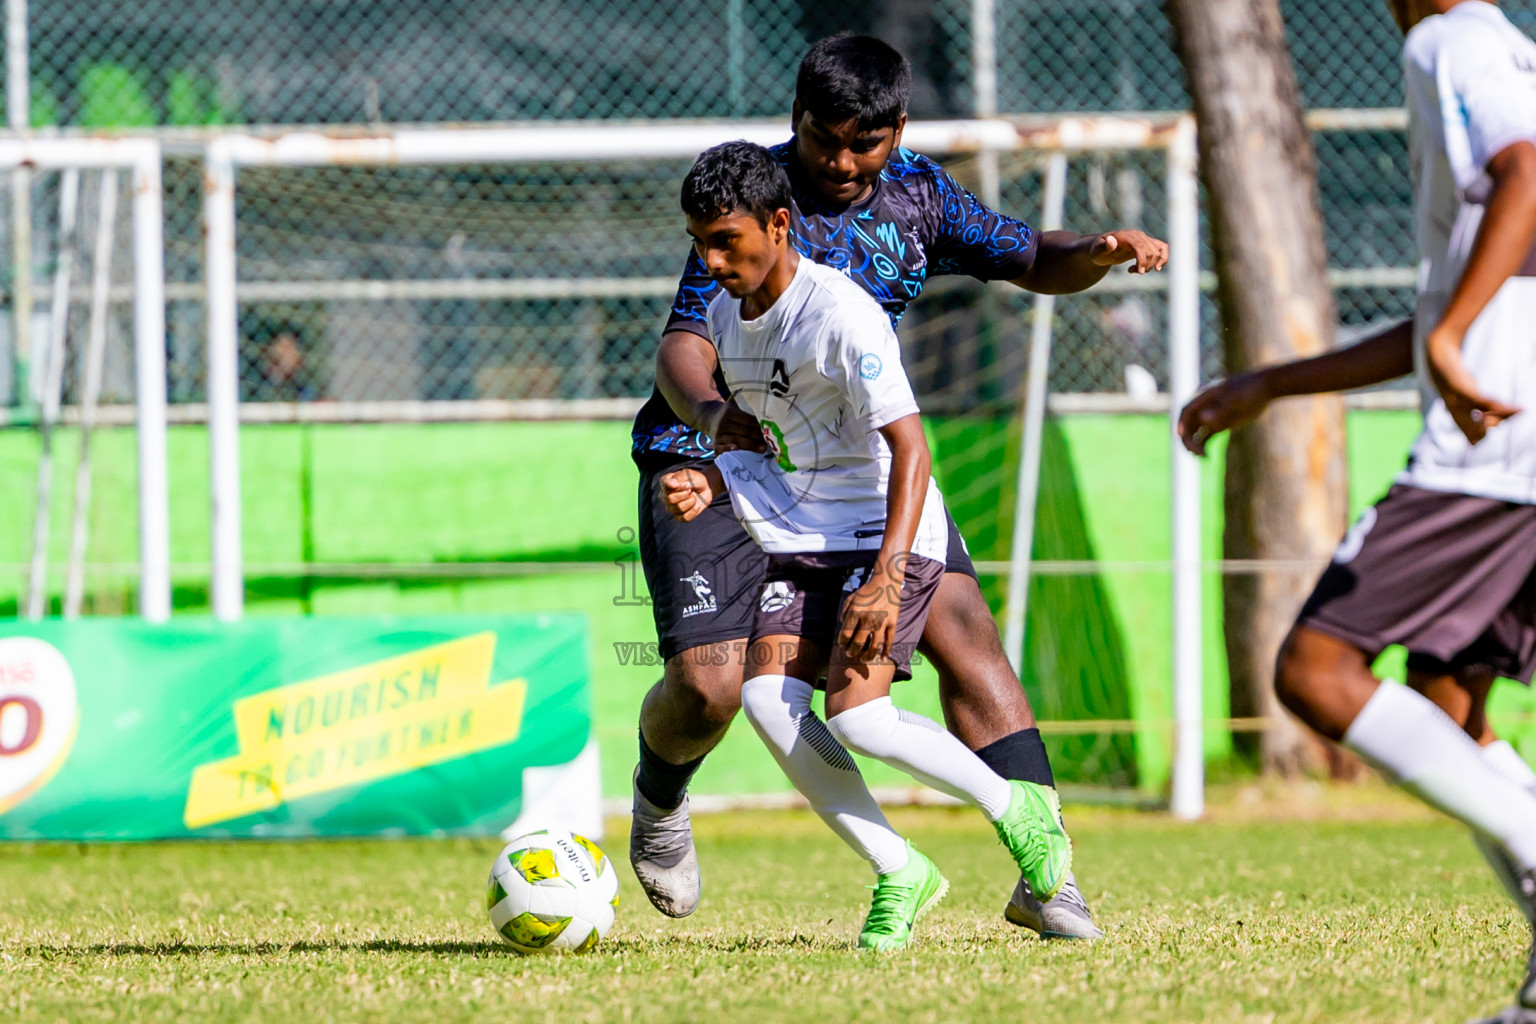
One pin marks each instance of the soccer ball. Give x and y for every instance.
(552, 892)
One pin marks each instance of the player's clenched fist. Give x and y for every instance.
(687, 492)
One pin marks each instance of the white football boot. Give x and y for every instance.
(661, 852)
(1065, 917)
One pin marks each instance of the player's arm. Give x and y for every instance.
(977, 240)
(1385, 355)
(687, 374)
(1504, 240)
(688, 368)
(869, 618)
(1067, 262)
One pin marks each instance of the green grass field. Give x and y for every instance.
(1313, 906)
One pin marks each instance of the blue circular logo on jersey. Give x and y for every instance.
(869, 366)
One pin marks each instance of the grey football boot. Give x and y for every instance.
(1064, 917)
(661, 852)
(1524, 1010)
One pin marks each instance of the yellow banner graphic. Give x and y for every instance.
(365, 723)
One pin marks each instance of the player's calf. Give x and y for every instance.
(684, 716)
(985, 705)
(687, 712)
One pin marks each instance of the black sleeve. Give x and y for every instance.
(690, 308)
(975, 240)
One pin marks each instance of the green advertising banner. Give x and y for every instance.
(118, 729)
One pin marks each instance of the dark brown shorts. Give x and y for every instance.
(1449, 576)
(803, 596)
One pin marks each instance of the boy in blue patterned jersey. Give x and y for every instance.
(890, 219)
(855, 532)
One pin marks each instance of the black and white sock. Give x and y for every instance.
(921, 748)
(779, 708)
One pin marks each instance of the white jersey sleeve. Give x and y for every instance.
(1487, 93)
(862, 358)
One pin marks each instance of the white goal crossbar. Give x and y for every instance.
(141, 156)
(226, 153)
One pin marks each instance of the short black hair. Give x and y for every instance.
(848, 76)
(736, 176)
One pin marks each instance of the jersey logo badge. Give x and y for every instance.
(870, 366)
(776, 596)
(701, 590)
(779, 385)
(922, 254)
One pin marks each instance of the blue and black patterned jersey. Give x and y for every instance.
(916, 223)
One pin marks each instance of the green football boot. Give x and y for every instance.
(901, 897)
(1033, 833)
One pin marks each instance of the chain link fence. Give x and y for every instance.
(181, 62)
(551, 281)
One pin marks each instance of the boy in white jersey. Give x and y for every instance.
(856, 535)
(1445, 564)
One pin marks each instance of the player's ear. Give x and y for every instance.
(778, 225)
(901, 122)
(795, 113)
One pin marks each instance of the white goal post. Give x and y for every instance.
(225, 154)
(142, 157)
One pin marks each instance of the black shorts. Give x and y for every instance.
(704, 576)
(804, 595)
(1451, 577)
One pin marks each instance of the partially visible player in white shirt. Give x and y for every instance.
(1445, 564)
(855, 529)
(1471, 93)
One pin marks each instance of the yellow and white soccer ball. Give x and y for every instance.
(552, 892)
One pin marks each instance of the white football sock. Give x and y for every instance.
(922, 749)
(779, 708)
(1510, 764)
(1413, 741)
(1507, 760)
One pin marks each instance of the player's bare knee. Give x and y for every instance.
(1303, 671)
(708, 693)
(1323, 680)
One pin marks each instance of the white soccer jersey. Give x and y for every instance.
(822, 370)
(1471, 91)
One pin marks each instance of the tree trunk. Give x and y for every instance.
(1286, 496)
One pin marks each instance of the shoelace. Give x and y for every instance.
(1033, 839)
(885, 913)
(1071, 895)
(667, 833)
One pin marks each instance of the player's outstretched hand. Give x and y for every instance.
(1138, 248)
(687, 492)
(1474, 413)
(738, 430)
(1222, 406)
(868, 629)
